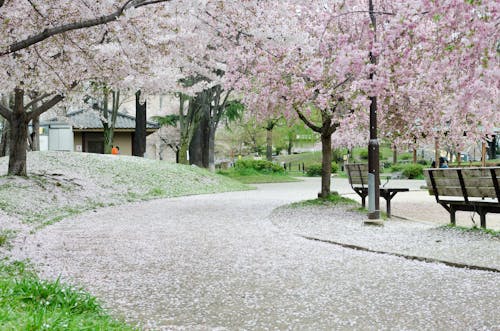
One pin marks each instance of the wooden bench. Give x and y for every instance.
(358, 178)
(466, 189)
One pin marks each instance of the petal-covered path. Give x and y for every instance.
(218, 261)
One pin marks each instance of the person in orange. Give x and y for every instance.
(115, 150)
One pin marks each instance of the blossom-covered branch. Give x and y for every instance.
(49, 32)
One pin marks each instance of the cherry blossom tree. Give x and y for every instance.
(436, 67)
(48, 48)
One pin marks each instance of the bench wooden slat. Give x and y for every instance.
(476, 192)
(480, 184)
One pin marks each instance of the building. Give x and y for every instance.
(88, 132)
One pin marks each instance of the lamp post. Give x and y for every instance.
(373, 146)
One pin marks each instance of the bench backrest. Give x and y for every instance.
(358, 174)
(466, 183)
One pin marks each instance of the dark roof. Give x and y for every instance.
(88, 119)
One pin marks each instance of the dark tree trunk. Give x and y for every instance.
(394, 155)
(326, 164)
(290, 143)
(196, 144)
(35, 134)
(139, 143)
(5, 139)
(269, 143)
(211, 149)
(18, 137)
(205, 143)
(492, 148)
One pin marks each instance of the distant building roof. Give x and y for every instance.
(88, 119)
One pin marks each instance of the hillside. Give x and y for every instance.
(60, 184)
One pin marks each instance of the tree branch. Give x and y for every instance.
(38, 99)
(49, 32)
(4, 111)
(304, 119)
(46, 106)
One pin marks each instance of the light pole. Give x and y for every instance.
(373, 146)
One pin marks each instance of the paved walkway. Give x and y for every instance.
(418, 205)
(221, 262)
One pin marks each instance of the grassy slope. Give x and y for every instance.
(28, 303)
(60, 184)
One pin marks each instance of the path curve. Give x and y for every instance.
(217, 261)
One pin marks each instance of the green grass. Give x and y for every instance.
(331, 200)
(60, 185)
(5, 236)
(251, 176)
(28, 303)
(308, 158)
(473, 229)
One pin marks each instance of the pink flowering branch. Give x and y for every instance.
(50, 32)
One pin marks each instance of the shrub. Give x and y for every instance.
(396, 167)
(335, 167)
(363, 154)
(413, 171)
(423, 162)
(405, 156)
(338, 155)
(258, 165)
(387, 165)
(315, 170)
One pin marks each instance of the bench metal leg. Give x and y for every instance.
(452, 216)
(482, 217)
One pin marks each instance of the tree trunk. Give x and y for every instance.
(414, 156)
(183, 152)
(394, 155)
(196, 145)
(139, 144)
(436, 152)
(35, 134)
(18, 137)
(492, 147)
(269, 143)
(326, 164)
(5, 138)
(290, 143)
(211, 149)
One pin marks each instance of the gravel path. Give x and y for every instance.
(219, 261)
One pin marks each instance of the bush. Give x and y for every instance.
(413, 171)
(257, 165)
(315, 170)
(405, 157)
(387, 165)
(396, 167)
(423, 162)
(338, 155)
(363, 154)
(335, 168)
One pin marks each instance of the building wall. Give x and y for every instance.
(77, 139)
(124, 141)
(121, 139)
